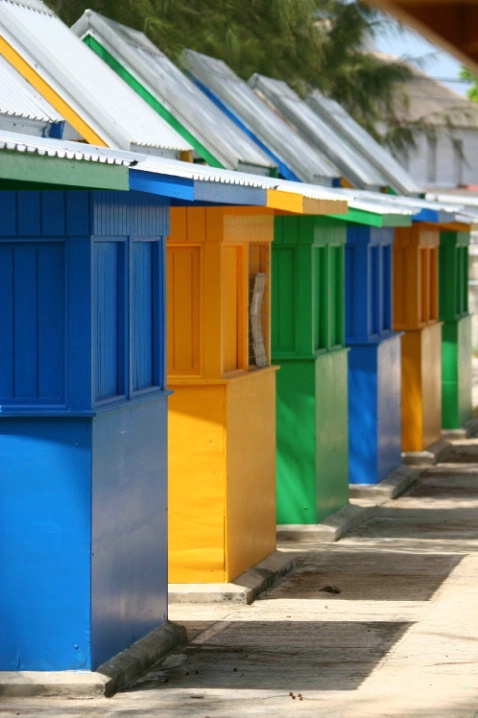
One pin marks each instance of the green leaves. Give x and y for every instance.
(472, 77)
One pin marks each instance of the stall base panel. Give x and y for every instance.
(421, 387)
(296, 438)
(129, 563)
(251, 470)
(312, 439)
(374, 411)
(197, 436)
(457, 373)
(332, 448)
(45, 535)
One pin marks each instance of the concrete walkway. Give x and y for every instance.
(382, 623)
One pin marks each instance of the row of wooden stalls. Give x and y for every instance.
(333, 149)
(262, 273)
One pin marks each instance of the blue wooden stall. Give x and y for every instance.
(374, 358)
(82, 425)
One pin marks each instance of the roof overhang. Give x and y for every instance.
(28, 162)
(26, 171)
(188, 183)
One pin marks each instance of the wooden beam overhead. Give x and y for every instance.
(451, 24)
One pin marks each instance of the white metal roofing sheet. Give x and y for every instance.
(454, 197)
(355, 168)
(19, 99)
(334, 114)
(304, 160)
(112, 109)
(179, 95)
(46, 146)
(199, 172)
(444, 211)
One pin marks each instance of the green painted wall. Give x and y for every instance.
(456, 330)
(308, 343)
(312, 439)
(296, 443)
(453, 275)
(456, 373)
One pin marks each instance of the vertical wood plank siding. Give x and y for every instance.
(39, 274)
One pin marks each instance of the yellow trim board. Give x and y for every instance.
(325, 206)
(298, 204)
(28, 73)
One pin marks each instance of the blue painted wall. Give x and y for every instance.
(129, 571)
(82, 425)
(374, 410)
(45, 510)
(374, 402)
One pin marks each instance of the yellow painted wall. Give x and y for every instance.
(197, 483)
(222, 413)
(421, 387)
(415, 276)
(251, 462)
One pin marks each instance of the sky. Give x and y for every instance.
(415, 49)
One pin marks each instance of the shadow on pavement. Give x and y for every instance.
(278, 655)
(367, 576)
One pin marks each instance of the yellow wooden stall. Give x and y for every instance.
(222, 412)
(415, 312)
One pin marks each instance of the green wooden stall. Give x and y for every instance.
(456, 329)
(308, 334)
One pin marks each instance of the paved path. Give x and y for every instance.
(382, 624)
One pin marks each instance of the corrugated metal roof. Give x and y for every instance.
(305, 161)
(91, 89)
(335, 116)
(356, 169)
(424, 209)
(455, 196)
(60, 149)
(189, 106)
(213, 174)
(19, 99)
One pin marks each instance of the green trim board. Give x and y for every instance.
(130, 80)
(374, 220)
(28, 170)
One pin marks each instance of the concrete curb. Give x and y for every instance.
(392, 486)
(329, 530)
(243, 589)
(107, 680)
(435, 453)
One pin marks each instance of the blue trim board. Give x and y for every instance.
(284, 169)
(163, 185)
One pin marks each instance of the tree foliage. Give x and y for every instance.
(311, 44)
(472, 78)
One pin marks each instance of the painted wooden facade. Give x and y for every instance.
(82, 425)
(415, 313)
(375, 421)
(456, 330)
(308, 343)
(222, 412)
